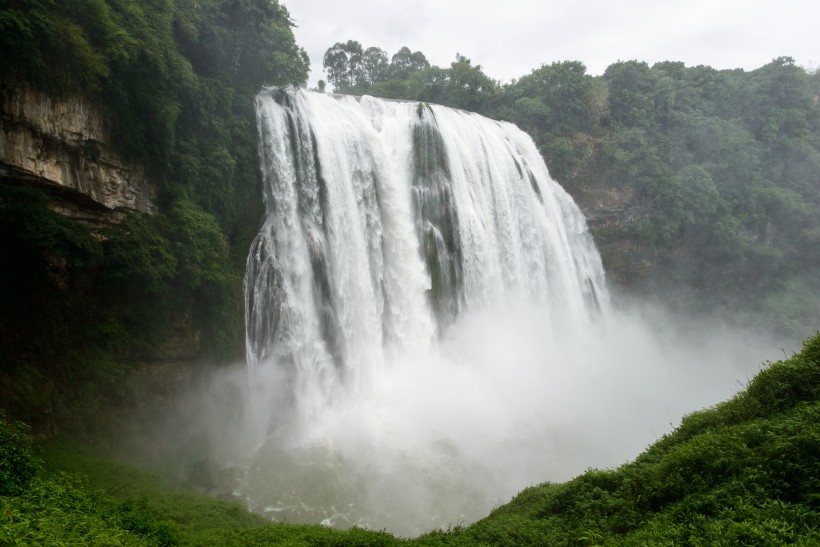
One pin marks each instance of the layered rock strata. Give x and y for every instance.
(65, 145)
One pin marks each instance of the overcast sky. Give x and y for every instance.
(509, 38)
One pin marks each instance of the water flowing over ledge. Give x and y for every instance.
(387, 219)
(387, 224)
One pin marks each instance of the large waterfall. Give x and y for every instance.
(406, 252)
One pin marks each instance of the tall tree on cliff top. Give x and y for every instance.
(341, 62)
(374, 66)
(406, 62)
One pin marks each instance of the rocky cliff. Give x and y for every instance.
(64, 145)
(610, 211)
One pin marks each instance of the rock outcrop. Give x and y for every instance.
(609, 212)
(64, 145)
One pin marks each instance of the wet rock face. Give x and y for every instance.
(64, 145)
(608, 210)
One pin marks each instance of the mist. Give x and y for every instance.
(507, 398)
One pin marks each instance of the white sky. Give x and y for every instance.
(509, 38)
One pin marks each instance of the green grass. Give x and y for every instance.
(745, 472)
(197, 519)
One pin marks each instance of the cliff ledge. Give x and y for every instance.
(64, 145)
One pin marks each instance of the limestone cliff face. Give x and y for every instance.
(608, 210)
(64, 145)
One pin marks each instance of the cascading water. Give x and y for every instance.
(389, 226)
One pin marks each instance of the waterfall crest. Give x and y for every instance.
(385, 220)
(386, 223)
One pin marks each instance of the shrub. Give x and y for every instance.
(17, 462)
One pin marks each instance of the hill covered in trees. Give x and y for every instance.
(176, 80)
(702, 186)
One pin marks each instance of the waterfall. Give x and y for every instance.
(387, 225)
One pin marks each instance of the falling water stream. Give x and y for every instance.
(414, 264)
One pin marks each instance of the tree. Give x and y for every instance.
(631, 93)
(404, 63)
(562, 92)
(374, 66)
(780, 98)
(467, 86)
(429, 85)
(690, 195)
(342, 63)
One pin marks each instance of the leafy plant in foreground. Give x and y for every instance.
(17, 462)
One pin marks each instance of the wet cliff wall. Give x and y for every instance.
(64, 145)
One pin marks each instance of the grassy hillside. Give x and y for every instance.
(745, 472)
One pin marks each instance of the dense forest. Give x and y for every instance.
(178, 79)
(721, 167)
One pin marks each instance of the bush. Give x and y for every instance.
(811, 350)
(58, 511)
(17, 462)
(41, 509)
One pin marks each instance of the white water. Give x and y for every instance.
(428, 328)
(339, 265)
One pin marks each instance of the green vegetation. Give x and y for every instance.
(81, 498)
(77, 309)
(178, 78)
(17, 463)
(742, 472)
(408, 75)
(722, 168)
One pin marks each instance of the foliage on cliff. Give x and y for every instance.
(741, 473)
(722, 168)
(78, 309)
(178, 79)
